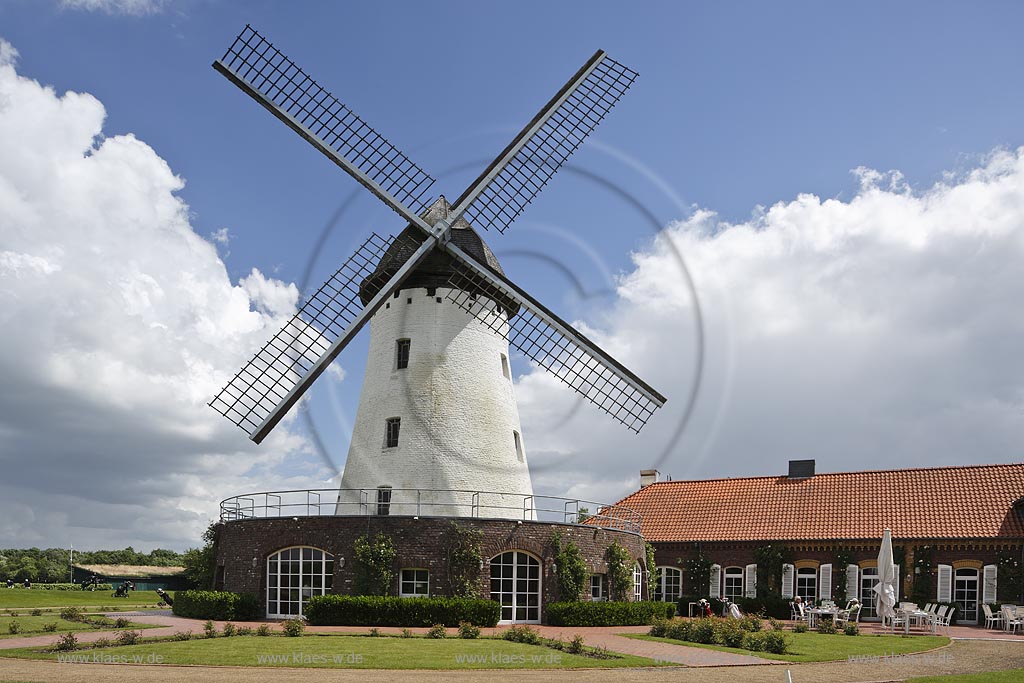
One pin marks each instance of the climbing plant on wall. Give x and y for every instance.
(840, 567)
(463, 557)
(570, 569)
(374, 564)
(769, 559)
(620, 571)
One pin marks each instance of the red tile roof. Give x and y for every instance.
(943, 502)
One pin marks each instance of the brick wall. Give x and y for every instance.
(243, 547)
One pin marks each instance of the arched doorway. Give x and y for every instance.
(293, 576)
(965, 595)
(515, 585)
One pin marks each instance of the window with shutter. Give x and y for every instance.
(788, 571)
(988, 591)
(750, 576)
(944, 585)
(715, 587)
(825, 584)
(852, 581)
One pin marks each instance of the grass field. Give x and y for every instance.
(17, 598)
(33, 626)
(341, 651)
(818, 647)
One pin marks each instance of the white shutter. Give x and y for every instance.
(825, 582)
(715, 589)
(988, 590)
(750, 580)
(899, 584)
(788, 572)
(852, 582)
(944, 592)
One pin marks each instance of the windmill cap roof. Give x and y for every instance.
(436, 270)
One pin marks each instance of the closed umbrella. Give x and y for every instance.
(885, 589)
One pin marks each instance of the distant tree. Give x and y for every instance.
(201, 563)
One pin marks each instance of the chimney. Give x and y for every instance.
(801, 469)
(648, 477)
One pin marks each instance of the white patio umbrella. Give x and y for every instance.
(885, 589)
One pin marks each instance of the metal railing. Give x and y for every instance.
(429, 503)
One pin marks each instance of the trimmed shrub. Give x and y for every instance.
(775, 642)
(406, 633)
(751, 623)
(575, 646)
(245, 631)
(437, 631)
(263, 630)
(293, 627)
(210, 629)
(468, 630)
(659, 628)
(375, 610)
(182, 635)
(850, 629)
(219, 605)
(521, 634)
(703, 631)
(71, 614)
(754, 641)
(128, 637)
(66, 643)
(229, 630)
(51, 627)
(826, 626)
(608, 613)
(102, 643)
(800, 627)
(14, 628)
(730, 633)
(679, 629)
(121, 622)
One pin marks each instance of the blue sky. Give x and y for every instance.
(738, 106)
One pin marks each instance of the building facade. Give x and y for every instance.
(958, 534)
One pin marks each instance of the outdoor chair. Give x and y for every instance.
(991, 620)
(843, 617)
(794, 613)
(928, 608)
(1011, 622)
(898, 620)
(944, 617)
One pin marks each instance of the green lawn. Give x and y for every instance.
(344, 651)
(819, 647)
(1009, 676)
(17, 598)
(33, 626)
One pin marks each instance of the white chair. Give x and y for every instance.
(991, 620)
(843, 617)
(928, 608)
(944, 617)
(1011, 622)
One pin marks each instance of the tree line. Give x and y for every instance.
(52, 565)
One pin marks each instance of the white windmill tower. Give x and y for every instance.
(437, 430)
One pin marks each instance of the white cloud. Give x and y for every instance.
(879, 332)
(129, 7)
(221, 236)
(120, 323)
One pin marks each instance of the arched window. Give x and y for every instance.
(669, 585)
(732, 583)
(807, 584)
(515, 585)
(293, 575)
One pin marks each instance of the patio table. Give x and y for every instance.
(909, 614)
(816, 612)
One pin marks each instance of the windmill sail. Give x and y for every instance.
(262, 392)
(521, 171)
(553, 344)
(275, 81)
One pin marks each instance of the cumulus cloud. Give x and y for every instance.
(120, 323)
(883, 331)
(129, 7)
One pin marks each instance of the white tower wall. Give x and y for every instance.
(458, 414)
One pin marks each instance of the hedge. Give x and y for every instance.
(608, 613)
(219, 605)
(378, 610)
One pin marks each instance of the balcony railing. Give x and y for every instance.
(428, 503)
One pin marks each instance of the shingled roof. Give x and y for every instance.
(975, 501)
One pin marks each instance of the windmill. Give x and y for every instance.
(465, 312)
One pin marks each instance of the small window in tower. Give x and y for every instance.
(504, 367)
(519, 445)
(402, 354)
(391, 432)
(383, 500)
